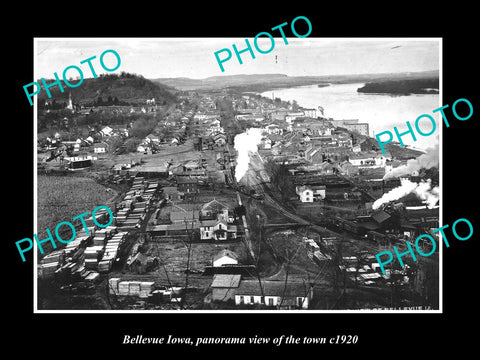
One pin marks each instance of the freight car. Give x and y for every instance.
(348, 225)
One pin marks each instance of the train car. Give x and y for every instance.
(349, 226)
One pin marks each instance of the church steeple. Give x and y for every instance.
(70, 104)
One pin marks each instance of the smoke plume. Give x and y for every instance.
(244, 144)
(428, 160)
(423, 190)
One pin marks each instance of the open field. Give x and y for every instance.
(62, 197)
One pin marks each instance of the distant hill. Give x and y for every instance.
(128, 88)
(264, 82)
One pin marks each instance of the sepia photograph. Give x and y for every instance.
(211, 175)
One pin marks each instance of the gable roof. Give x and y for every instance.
(225, 252)
(226, 280)
(213, 223)
(214, 205)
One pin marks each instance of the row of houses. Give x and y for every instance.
(278, 294)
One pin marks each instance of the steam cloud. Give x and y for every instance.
(428, 160)
(423, 190)
(246, 143)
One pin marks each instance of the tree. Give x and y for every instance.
(294, 105)
(132, 144)
(115, 142)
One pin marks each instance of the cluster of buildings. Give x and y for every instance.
(212, 221)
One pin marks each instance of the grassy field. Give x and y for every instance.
(62, 197)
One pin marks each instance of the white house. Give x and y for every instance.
(142, 147)
(100, 148)
(151, 138)
(106, 131)
(273, 129)
(381, 160)
(292, 295)
(362, 159)
(217, 230)
(310, 193)
(225, 257)
(310, 113)
(305, 193)
(267, 143)
(293, 116)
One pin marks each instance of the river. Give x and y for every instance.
(381, 112)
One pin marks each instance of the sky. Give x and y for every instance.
(194, 57)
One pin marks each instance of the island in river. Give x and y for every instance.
(402, 86)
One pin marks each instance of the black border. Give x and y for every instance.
(379, 334)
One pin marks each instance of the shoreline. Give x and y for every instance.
(354, 101)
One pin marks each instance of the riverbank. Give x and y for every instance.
(381, 112)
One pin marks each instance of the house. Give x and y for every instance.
(187, 184)
(216, 210)
(362, 159)
(106, 131)
(348, 169)
(381, 160)
(305, 193)
(224, 286)
(172, 194)
(310, 113)
(225, 257)
(313, 153)
(293, 116)
(100, 148)
(311, 193)
(217, 230)
(273, 129)
(352, 125)
(219, 139)
(121, 130)
(266, 143)
(151, 138)
(290, 295)
(143, 148)
(191, 165)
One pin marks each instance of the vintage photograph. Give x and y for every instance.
(163, 183)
